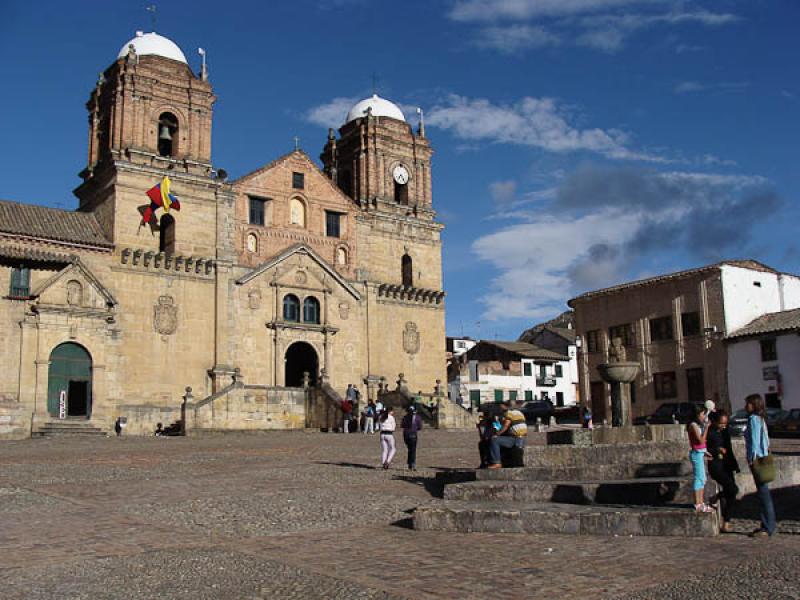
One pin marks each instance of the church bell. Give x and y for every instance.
(165, 134)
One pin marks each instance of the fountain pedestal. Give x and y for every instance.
(619, 376)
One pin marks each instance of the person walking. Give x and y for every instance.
(411, 424)
(387, 426)
(722, 467)
(761, 462)
(369, 418)
(698, 431)
(347, 407)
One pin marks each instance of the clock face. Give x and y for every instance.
(400, 174)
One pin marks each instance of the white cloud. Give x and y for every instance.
(604, 221)
(516, 38)
(331, 114)
(503, 192)
(536, 122)
(518, 10)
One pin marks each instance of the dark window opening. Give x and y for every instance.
(559, 371)
(20, 282)
(559, 398)
(401, 193)
(690, 324)
(408, 271)
(475, 398)
(498, 395)
(291, 308)
(526, 369)
(696, 385)
(345, 181)
(257, 211)
(661, 329)
(623, 332)
(665, 385)
(769, 350)
(311, 310)
(512, 395)
(772, 400)
(167, 134)
(166, 234)
(593, 340)
(333, 221)
(298, 181)
(528, 395)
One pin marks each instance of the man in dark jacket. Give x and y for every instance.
(411, 425)
(723, 466)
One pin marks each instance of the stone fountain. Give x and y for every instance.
(619, 373)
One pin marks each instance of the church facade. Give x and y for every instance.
(169, 276)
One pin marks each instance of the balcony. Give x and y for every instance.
(546, 381)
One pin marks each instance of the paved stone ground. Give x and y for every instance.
(307, 515)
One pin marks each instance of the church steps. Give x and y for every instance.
(68, 428)
(598, 472)
(466, 517)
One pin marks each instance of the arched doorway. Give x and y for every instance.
(300, 358)
(70, 372)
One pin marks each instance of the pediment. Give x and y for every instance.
(300, 266)
(74, 287)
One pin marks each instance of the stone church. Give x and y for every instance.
(169, 276)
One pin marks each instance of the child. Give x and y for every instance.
(698, 432)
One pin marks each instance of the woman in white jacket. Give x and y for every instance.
(387, 426)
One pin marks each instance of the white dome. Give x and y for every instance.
(380, 108)
(152, 43)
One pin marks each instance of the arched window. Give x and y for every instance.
(291, 308)
(166, 234)
(341, 256)
(401, 193)
(408, 271)
(311, 310)
(252, 243)
(297, 212)
(167, 134)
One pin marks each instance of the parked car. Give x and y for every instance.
(788, 425)
(774, 415)
(737, 424)
(669, 412)
(538, 409)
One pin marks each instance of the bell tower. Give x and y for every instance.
(150, 116)
(379, 160)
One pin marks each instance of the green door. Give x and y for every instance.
(475, 398)
(71, 372)
(498, 395)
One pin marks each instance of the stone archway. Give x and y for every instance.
(70, 372)
(300, 358)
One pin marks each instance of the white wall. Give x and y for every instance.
(745, 370)
(790, 288)
(743, 300)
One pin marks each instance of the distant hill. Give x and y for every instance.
(565, 320)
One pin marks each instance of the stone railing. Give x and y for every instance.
(405, 293)
(177, 263)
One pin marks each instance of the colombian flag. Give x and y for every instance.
(160, 198)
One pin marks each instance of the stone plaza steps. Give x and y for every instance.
(68, 428)
(646, 491)
(551, 518)
(594, 456)
(593, 472)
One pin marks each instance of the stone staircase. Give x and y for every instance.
(634, 489)
(68, 428)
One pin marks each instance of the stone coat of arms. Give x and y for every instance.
(411, 338)
(165, 315)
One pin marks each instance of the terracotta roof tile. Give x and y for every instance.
(51, 223)
(785, 320)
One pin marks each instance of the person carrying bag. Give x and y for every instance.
(762, 463)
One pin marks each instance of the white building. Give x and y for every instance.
(764, 358)
(494, 371)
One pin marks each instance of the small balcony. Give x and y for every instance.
(546, 381)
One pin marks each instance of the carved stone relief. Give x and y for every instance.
(165, 316)
(254, 299)
(74, 293)
(411, 338)
(344, 310)
(300, 278)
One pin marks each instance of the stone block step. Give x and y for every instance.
(654, 491)
(600, 472)
(466, 517)
(607, 454)
(68, 428)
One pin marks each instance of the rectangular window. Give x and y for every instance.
(559, 398)
(696, 385)
(527, 369)
(475, 397)
(559, 371)
(542, 370)
(333, 224)
(593, 341)
(528, 395)
(20, 282)
(512, 395)
(769, 350)
(298, 181)
(690, 324)
(498, 395)
(661, 329)
(665, 385)
(257, 210)
(623, 332)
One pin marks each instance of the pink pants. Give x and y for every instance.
(387, 448)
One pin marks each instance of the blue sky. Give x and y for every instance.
(579, 143)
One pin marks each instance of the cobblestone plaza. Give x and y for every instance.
(308, 515)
